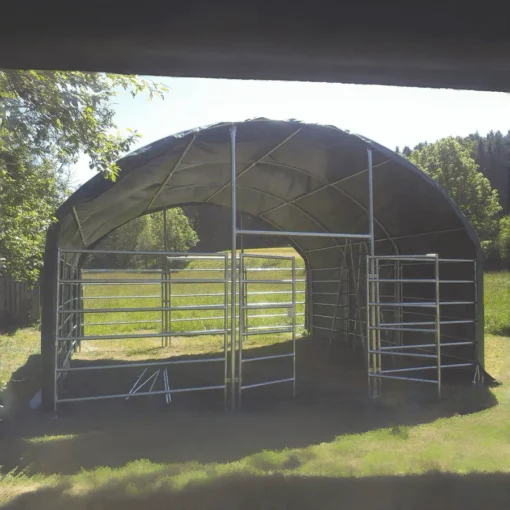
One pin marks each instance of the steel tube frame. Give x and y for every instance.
(233, 259)
(302, 234)
(64, 336)
(438, 327)
(141, 365)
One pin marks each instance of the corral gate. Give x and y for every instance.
(415, 339)
(177, 292)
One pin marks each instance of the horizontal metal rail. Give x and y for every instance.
(421, 304)
(139, 281)
(408, 354)
(288, 282)
(146, 252)
(129, 336)
(272, 315)
(428, 323)
(260, 358)
(265, 331)
(335, 305)
(301, 234)
(412, 258)
(120, 323)
(134, 271)
(142, 365)
(261, 293)
(260, 306)
(414, 330)
(273, 257)
(415, 280)
(413, 379)
(141, 309)
(424, 346)
(454, 261)
(158, 296)
(412, 369)
(268, 383)
(139, 394)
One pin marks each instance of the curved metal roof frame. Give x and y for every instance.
(294, 176)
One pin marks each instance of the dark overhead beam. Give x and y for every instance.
(417, 45)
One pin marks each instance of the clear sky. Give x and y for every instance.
(392, 116)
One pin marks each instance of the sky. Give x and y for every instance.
(391, 116)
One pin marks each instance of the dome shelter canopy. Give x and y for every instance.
(295, 177)
(321, 170)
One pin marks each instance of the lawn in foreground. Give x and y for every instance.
(478, 442)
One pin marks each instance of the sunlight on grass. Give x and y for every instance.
(497, 303)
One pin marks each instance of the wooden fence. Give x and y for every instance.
(19, 304)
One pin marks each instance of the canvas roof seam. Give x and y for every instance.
(174, 168)
(254, 163)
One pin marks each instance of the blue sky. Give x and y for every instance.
(389, 115)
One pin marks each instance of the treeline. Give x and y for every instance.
(145, 233)
(475, 171)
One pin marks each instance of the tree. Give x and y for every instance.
(492, 155)
(29, 196)
(504, 238)
(452, 167)
(47, 120)
(146, 233)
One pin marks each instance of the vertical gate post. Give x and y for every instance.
(233, 267)
(438, 327)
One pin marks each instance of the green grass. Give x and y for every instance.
(474, 443)
(471, 443)
(497, 303)
(15, 349)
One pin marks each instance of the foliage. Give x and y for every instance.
(147, 233)
(504, 237)
(58, 115)
(47, 120)
(492, 155)
(452, 167)
(30, 194)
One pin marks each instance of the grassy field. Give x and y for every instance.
(281, 461)
(497, 303)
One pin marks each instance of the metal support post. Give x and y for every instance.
(242, 305)
(168, 285)
(225, 332)
(438, 328)
(57, 334)
(294, 311)
(233, 267)
(370, 202)
(371, 319)
(378, 324)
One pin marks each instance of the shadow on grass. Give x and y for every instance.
(419, 492)
(332, 401)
